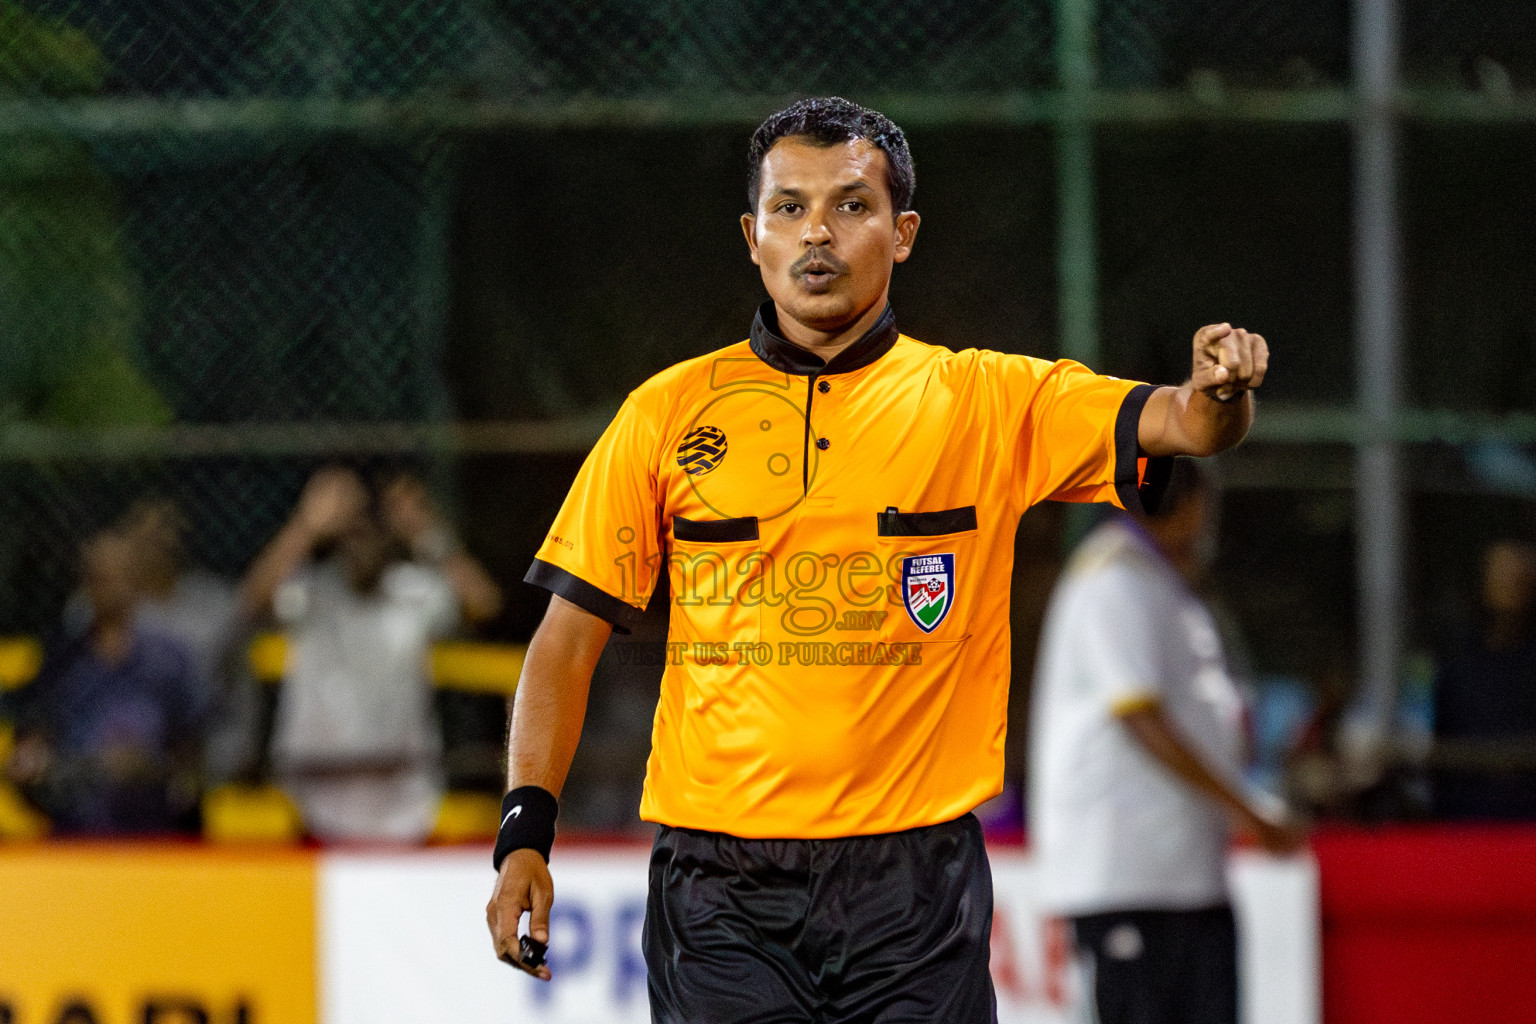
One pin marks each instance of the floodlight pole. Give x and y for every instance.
(1379, 491)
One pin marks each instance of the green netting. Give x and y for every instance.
(1297, 44)
(150, 279)
(167, 259)
(370, 48)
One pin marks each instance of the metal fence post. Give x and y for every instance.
(1076, 222)
(1379, 490)
(1077, 251)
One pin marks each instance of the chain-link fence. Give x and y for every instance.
(161, 267)
(220, 273)
(224, 215)
(152, 278)
(173, 252)
(237, 212)
(240, 238)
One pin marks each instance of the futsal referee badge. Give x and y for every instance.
(928, 588)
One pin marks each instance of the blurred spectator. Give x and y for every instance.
(1485, 699)
(1136, 757)
(108, 733)
(202, 610)
(413, 520)
(356, 741)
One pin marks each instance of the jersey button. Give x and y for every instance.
(823, 386)
(823, 443)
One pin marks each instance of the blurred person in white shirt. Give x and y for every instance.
(364, 585)
(1136, 757)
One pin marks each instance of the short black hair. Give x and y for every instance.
(827, 121)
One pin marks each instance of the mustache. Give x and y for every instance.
(821, 256)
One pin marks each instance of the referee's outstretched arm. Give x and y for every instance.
(547, 714)
(1212, 411)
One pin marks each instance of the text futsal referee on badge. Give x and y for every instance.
(817, 858)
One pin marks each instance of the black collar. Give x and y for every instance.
(778, 352)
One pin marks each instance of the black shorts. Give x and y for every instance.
(1161, 966)
(871, 929)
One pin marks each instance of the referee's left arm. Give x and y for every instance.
(547, 715)
(599, 563)
(1213, 410)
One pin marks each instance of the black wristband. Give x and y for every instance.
(527, 823)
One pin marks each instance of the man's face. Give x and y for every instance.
(110, 575)
(824, 232)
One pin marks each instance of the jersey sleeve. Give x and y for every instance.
(1118, 643)
(603, 549)
(1077, 437)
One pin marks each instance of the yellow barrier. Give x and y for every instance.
(456, 664)
(20, 658)
(478, 668)
(18, 820)
(467, 817)
(256, 815)
(268, 656)
(250, 814)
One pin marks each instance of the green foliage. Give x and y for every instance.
(68, 293)
(46, 55)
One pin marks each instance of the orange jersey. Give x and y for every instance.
(838, 540)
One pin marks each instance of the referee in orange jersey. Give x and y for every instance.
(834, 504)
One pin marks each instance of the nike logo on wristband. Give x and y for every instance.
(514, 812)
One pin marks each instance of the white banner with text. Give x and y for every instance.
(403, 940)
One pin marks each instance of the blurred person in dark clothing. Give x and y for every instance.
(108, 734)
(202, 610)
(363, 584)
(1485, 698)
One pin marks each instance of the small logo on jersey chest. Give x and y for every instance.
(702, 450)
(928, 589)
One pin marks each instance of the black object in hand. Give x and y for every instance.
(532, 951)
(530, 954)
